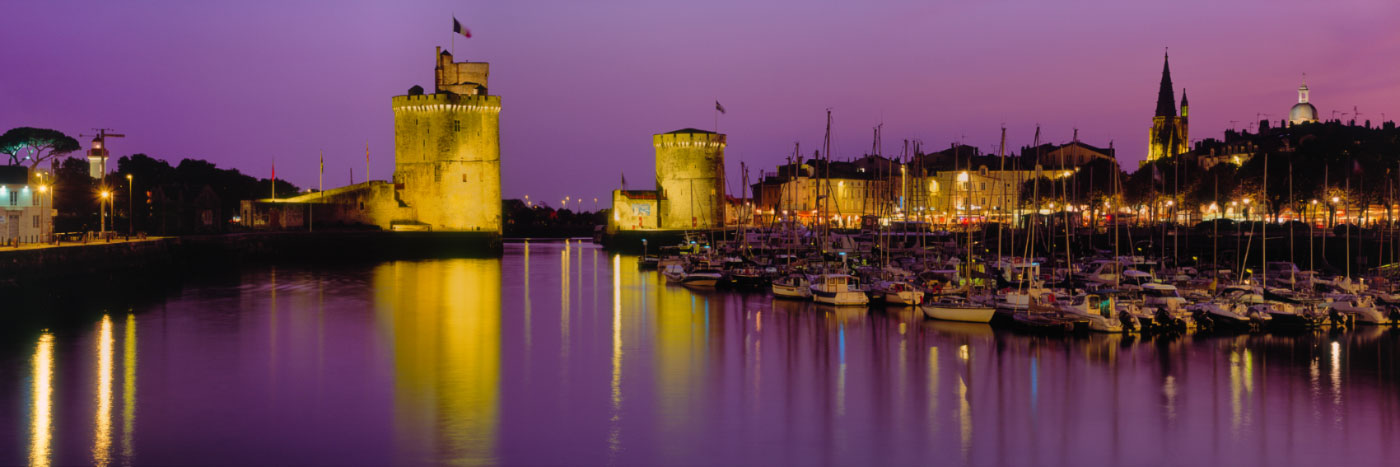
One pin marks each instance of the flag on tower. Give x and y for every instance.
(457, 28)
(319, 175)
(719, 107)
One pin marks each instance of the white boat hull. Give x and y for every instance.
(967, 314)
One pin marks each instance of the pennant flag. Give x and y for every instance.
(457, 28)
(719, 107)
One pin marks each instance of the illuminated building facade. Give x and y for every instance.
(26, 209)
(1170, 135)
(447, 166)
(689, 191)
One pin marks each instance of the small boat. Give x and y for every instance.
(1227, 315)
(674, 273)
(898, 293)
(1097, 310)
(649, 262)
(747, 277)
(951, 308)
(792, 286)
(1361, 308)
(839, 290)
(702, 277)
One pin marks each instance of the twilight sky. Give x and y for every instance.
(585, 84)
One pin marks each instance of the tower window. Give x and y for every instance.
(456, 125)
(14, 198)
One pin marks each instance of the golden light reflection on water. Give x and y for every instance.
(614, 434)
(128, 387)
(41, 429)
(102, 432)
(445, 321)
(565, 277)
(933, 389)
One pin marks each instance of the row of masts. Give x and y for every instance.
(918, 201)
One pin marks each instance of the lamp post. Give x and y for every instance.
(130, 207)
(102, 213)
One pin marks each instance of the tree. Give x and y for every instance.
(35, 145)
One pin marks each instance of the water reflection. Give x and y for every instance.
(41, 429)
(102, 436)
(431, 362)
(445, 321)
(128, 388)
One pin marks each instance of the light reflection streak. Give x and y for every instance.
(933, 389)
(41, 431)
(1169, 389)
(964, 403)
(1236, 393)
(614, 435)
(564, 279)
(841, 372)
(1336, 373)
(526, 282)
(128, 387)
(102, 433)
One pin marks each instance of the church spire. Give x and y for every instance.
(1166, 99)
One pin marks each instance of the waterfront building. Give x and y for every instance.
(689, 192)
(1169, 135)
(447, 166)
(26, 208)
(839, 192)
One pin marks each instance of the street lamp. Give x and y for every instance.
(102, 214)
(130, 207)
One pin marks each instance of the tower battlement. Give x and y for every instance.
(689, 139)
(447, 102)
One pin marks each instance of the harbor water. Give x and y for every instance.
(566, 354)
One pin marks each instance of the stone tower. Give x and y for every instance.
(1168, 136)
(447, 152)
(690, 179)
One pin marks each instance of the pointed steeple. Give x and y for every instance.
(1166, 99)
(1184, 105)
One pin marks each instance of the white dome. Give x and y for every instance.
(1302, 112)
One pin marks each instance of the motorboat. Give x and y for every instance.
(838, 289)
(1362, 308)
(1096, 309)
(792, 286)
(1227, 314)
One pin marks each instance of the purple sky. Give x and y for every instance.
(585, 84)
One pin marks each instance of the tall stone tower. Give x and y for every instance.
(1169, 134)
(447, 152)
(690, 179)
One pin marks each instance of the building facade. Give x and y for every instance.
(26, 208)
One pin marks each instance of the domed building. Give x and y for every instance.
(1302, 112)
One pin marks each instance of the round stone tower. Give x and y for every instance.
(447, 153)
(690, 179)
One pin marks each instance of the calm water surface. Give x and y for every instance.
(565, 354)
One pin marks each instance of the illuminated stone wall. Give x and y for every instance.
(633, 210)
(447, 159)
(690, 179)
